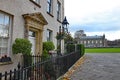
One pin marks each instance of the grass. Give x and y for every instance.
(102, 50)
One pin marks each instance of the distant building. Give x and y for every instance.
(90, 41)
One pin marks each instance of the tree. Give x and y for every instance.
(68, 38)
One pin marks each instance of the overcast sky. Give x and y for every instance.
(95, 17)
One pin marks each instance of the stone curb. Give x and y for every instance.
(67, 75)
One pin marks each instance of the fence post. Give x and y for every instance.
(5, 75)
(19, 70)
(0, 76)
(14, 74)
(10, 74)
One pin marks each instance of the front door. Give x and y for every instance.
(32, 39)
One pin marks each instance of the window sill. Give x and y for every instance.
(35, 3)
(50, 14)
(5, 63)
(5, 60)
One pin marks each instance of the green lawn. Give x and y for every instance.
(102, 50)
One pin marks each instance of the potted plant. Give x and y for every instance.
(22, 46)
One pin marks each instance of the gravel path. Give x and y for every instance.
(104, 66)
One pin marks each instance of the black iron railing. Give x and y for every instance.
(50, 69)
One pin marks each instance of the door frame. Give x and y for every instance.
(35, 22)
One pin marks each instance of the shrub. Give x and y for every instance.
(22, 46)
(48, 46)
(70, 48)
(45, 55)
(81, 49)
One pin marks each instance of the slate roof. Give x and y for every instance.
(91, 37)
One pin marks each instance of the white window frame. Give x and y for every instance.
(5, 33)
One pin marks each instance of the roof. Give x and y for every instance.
(91, 37)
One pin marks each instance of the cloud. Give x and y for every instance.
(107, 21)
(93, 16)
(109, 35)
(84, 8)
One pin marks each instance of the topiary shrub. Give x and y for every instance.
(22, 46)
(48, 46)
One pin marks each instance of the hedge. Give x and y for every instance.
(70, 48)
(81, 48)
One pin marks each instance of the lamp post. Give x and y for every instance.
(62, 31)
(64, 25)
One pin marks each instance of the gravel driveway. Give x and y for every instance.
(104, 66)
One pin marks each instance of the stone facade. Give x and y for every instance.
(90, 41)
(41, 17)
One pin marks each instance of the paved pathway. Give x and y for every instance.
(99, 67)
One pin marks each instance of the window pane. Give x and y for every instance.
(1, 29)
(32, 33)
(1, 18)
(3, 45)
(58, 10)
(4, 51)
(49, 1)
(49, 6)
(49, 35)
(4, 29)
(6, 21)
